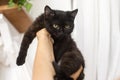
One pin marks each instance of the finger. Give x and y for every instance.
(43, 32)
(76, 74)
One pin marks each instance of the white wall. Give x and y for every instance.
(38, 6)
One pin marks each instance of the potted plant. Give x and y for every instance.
(21, 3)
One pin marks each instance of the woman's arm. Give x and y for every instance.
(43, 69)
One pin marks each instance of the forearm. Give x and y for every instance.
(43, 69)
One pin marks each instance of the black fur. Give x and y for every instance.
(59, 24)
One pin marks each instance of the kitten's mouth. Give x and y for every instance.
(59, 37)
(55, 35)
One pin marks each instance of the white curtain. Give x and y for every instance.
(98, 28)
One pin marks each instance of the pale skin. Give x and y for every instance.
(43, 68)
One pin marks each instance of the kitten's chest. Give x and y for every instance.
(61, 47)
(59, 50)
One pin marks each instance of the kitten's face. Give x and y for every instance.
(59, 23)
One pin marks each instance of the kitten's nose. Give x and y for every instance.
(60, 29)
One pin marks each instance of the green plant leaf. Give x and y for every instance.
(28, 6)
(20, 7)
(11, 3)
(21, 2)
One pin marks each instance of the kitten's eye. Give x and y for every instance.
(56, 26)
(67, 27)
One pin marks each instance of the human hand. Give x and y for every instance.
(43, 68)
(45, 43)
(77, 73)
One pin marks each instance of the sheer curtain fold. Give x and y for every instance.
(104, 39)
(100, 34)
(114, 71)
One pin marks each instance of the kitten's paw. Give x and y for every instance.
(20, 61)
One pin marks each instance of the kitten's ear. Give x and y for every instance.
(47, 10)
(74, 12)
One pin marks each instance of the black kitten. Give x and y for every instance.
(59, 24)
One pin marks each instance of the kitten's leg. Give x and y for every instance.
(56, 68)
(59, 74)
(71, 62)
(27, 39)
